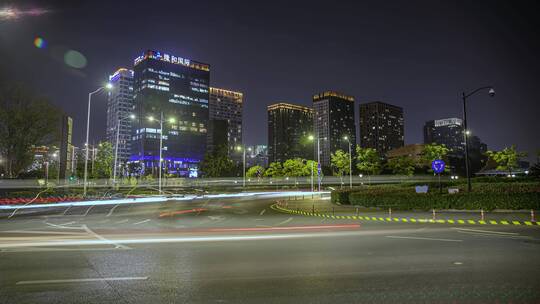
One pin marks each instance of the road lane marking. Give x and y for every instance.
(80, 280)
(66, 210)
(88, 210)
(61, 226)
(422, 238)
(262, 212)
(91, 232)
(485, 231)
(285, 221)
(141, 222)
(122, 221)
(112, 210)
(43, 232)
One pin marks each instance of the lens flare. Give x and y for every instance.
(39, 42)
(75, 59)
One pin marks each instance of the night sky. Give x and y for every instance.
(419, 55)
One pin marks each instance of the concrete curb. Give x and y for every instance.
(280, 208)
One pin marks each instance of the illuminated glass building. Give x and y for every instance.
(381, 126)
(226, 105)
(333, 118)
(289, 128)
(178, 88)
(448, 132)
(119, 108)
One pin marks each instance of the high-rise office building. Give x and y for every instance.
(119, 109)
(333, 119)
(448, 132)
(381, 126)
(225, 105)
(171, 91)
(289, 128)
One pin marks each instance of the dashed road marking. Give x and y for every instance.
(285, 221)
(262, 212)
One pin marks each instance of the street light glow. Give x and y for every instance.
(345, 137)
(151, 118)
(132, 116)
(311, 137)
(172, 120)
(108, 86)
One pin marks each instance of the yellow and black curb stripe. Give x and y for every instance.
(280, 208)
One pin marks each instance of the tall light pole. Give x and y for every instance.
(350, 160)
(171, 120)
(466, 131)
(107, 86)
(243, 148)
(120, 119)
(311, 137)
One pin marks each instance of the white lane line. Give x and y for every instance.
(284, 222)
(141, 222)
(66, 210)
(62, 226)
(485, 231)
(103, 239)
(122, 221)
(262, 212)
(88, 210)
(43, 232)
(80, 280)
(112, 210)
(57, 249)
(422, 238)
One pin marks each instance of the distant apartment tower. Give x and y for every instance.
(381, 126)
(225, 105)
(333, 119)
(289, 128)
(178, 88)
(119, 109)
(448, 132)
(257, 156)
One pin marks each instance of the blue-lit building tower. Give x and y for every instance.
(178, 88)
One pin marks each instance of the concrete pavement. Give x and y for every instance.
(240, 250)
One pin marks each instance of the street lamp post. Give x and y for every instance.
(171, 120)
(466, 132)
(350, 160)
(116, 143)
(243, 147)
(108, 86)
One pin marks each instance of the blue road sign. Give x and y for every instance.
(438, 166)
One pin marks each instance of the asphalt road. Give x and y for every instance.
(240, 250)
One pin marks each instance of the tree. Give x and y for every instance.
(402, 165)
(432, 152)
(310, 165)
(506, 159)
(255, 171)
(26, 120)
(274, 170)
(368, 160)
(340, 164)
(217, 163)
(293, 167)
(104, 161)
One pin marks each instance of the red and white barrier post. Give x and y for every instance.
(481, 214)
(532, 216)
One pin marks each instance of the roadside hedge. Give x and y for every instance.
(487, 196)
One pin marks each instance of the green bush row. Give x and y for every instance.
(487, 196)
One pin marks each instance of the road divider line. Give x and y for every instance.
(88, 210)
(422, 238)
(112, 210)
(285, 221)
(91, 232)
(262, 212)
(142, 222)
(485, 231)
(87, 280)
